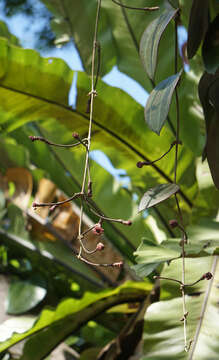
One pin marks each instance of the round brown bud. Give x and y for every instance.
(139, 164)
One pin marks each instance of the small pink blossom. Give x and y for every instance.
(98, 230)
(100, 246)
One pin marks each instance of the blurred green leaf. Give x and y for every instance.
(2, 200)
(15, 325)
(198, 25)
(23, 296)
(174, 3)
(208, 93)
(210, 49)
(4, 32)
(71, 314)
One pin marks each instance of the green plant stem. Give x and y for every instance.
(185, 313)
(92, 95)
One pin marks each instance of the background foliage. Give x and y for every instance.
(52, 298)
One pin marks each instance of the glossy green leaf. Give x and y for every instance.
(210, 49)
(150, 40)
(71, 314)
(198, 25)
(156, 195)
(158, 103)
(24, 296)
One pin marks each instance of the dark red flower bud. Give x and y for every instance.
(207, 276)
(139, 164)
(75, 135)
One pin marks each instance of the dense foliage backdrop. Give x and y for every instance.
(56, 305)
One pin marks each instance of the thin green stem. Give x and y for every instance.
(184, 239)
(92, 95)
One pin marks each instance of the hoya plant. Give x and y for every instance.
(94, 267)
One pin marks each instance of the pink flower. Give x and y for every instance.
(98, 230)
(100, 246)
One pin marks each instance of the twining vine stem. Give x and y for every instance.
(92, 94)
(184, 238)
(85, 194)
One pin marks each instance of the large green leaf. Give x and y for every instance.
(71, 314)
(129, 137)
(202, 320)
(151, 38)
(203, 240)
(4, 32)
(119, 34)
